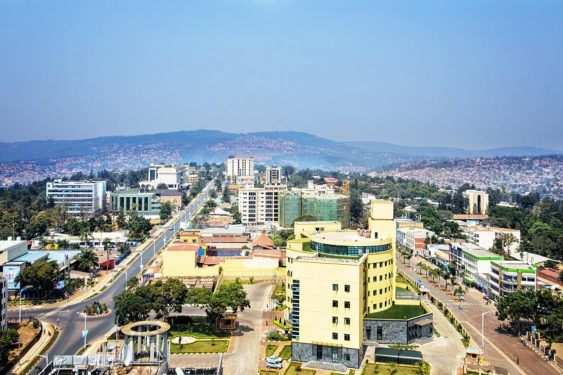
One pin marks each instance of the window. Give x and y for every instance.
(347, 304)
(346, 356)
(347, 288)
(380, 277)
(346, 337)
(334, 303)
(374, 265)
(347, 321)
(335, 287)
(334, 320)
(379, 333)
(334, 336)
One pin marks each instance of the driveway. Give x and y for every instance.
(244, 351)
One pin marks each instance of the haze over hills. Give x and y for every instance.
(285, 147)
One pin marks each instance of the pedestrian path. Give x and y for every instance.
(47, 331)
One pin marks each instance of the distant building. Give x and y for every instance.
(172, 196)
(414, 240)
(471, 260)
(478, 201)
(509, 276)
(239, 166)
(78, 197)
(319, 201)
(486, 237)
(273, 175)
(3, 304)
(173, 176)
(260, 205)
(128, 200)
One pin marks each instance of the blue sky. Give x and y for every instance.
(473, 74)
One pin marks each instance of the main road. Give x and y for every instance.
(68, 318)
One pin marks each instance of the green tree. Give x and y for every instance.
(131, 306)
(516, 306)
(41, 275)
(121, 221)
(356, 207)
(138, 227)
(167, 296)
(199, 296)
(86, 260)
(227, 296)
(8, 339)
(165, 211)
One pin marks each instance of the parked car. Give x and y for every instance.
(274, 359)
(276, 365)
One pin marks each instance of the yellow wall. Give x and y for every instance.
(304, 229)
(191, 237)
(316, 295)
(380, 281)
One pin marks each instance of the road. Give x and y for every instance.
(68, 317)
(502, 350)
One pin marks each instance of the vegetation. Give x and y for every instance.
(138, 227)
(270, 349)
(201, 346)
(96, 308)
(539, 307)
(8, 339)
(398, 312)
(41, 275)
(422, 368)
(87, 260)
(295, 369)
(286, 352)
(198, 330)
(165, 211)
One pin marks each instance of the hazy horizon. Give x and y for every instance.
(469, 74)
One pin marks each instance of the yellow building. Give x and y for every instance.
(335, 279)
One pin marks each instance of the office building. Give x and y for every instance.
(508, 276)
(274, 175)
(471, 260)
(259, 206)
(337, 281)
(477, 202)
(3, 304)
(489, 237)
(160, 175)
(414, 240)
(128, 200)
(78, 197)
(239, 166)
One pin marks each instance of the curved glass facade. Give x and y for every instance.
(348, 250)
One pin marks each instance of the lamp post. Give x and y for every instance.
(125, 269)
(483, 331)
(85, 331)
(46, 356)
(21, 290)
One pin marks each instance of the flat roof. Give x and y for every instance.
(7, 244)
(351, 236)
(31, 257)
(514, 266)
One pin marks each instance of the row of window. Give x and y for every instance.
(346, 288)
(381, 291)
(382, 277)
(335, 336)
(335, 320)
(381, 264)
(381, 304)
(335, 304)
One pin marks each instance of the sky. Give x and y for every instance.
(474, 74)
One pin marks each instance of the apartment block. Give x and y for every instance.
(477, 202)
(508, 276)
(239, 166)
(273, 175)
(487, 237)
(259, 206)
(471, 260)
(78, 197)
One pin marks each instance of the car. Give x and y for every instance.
(274, 359)
(276, 365)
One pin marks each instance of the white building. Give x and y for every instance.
(173, 176)
(3, 304)
(260, 205)
(78, 197)
(508, 276)
(239, 166)
(486, 237)
(274, 175)
(477, 202)
(414, 240)
(471, 260)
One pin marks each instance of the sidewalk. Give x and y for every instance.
(46, 333)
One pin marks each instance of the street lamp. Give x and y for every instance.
(21, 290)
(125, 269)
(85, 331)
(483, 331)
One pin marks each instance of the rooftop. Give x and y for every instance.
(399, 312)
(183, 247)
(514, 266)
(344, 236)
(4, 245)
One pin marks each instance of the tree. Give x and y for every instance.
(165, 211)
(356, 207)
(8, 339)
(167, 296)
(227, 296)
(446, 276)
(121, 221)
(515, 306)
(131, 306)
(199, 296)
(86, 260)
(41, 275)
(138, 227)
(433, 273)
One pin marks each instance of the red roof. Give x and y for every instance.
(183, 247)
(470, 217)
(263, 241)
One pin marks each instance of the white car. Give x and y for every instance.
(276, 365)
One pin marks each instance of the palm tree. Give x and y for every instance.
(433, 273)
(458, 291)
(420, 266)
(87, 260)
(107, 242)
(447, 276)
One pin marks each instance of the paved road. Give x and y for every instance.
(67, 318)
(502, 350)
(246, 347)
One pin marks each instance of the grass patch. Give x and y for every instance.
(286, 352)
(201, 330)
(268, 372)
(202, 346)
(403, 347)
(295, 369)
(390, 369)
(399, 312)
(270, 349)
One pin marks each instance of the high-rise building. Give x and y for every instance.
(78, 197)
(260, 205)
(239, 166)
(337, 283)
(274, 175)
(477, 202)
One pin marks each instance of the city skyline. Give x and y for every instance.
(475, 75)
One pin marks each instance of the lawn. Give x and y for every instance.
(202, 346)
(202, 330)
(398, 312)
(270, 349)
(292, 370)
(268, 372)
(286, 352)
(390, 369)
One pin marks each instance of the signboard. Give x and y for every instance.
(84, 332)
(10, 273)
